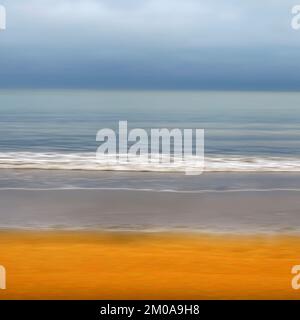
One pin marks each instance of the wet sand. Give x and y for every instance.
(233, 212)
(86, 265)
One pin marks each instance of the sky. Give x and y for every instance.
(150, 44)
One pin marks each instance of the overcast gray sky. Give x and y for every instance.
(159, 44)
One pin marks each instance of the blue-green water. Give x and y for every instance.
(244, 131)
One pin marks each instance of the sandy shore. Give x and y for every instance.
(248, 244)
(65, 265)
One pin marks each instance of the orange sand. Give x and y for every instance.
(123, 266)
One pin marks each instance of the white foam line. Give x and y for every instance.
(88, 162)
(153, 190)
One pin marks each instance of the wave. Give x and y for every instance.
(88, 161)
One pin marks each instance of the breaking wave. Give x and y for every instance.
(88, 161)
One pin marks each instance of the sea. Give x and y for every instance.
(50, 176)
(56, 129)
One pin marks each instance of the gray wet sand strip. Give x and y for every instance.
(237, 212)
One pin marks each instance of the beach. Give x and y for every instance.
(74, 227)
(149, 150)
(133, 244)
(93, 265)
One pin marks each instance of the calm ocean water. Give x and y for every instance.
(244, 131)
